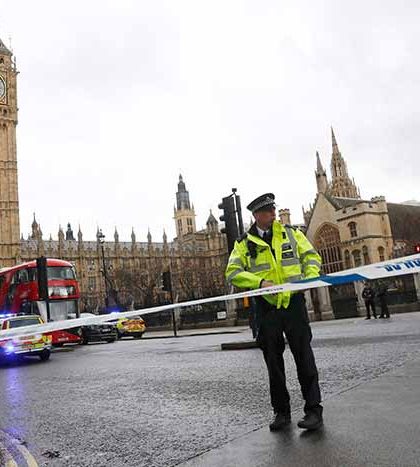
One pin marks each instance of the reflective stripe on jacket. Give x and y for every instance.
(252, 260)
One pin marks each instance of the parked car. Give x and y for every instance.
(31, 345)
(103, 332)
(134, 327)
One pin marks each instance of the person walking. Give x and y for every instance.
(382, 295)
(272, 253)
(368, 295)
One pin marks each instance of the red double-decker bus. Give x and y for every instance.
(19, 295)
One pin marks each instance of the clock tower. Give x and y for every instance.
(9, 202)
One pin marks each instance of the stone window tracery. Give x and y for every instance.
(366, 259)
(381, 252)
(353, 229)
(357, 258)
(347, 259)
(327, 243)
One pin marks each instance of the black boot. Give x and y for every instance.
(312, 419)
(280, 421)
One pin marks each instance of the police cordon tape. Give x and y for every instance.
(385, 269)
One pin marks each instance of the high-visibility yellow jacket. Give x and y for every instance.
(291, 257)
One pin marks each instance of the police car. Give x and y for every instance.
(32, 345)
(133, 327)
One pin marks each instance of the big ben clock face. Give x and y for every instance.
(2, 87)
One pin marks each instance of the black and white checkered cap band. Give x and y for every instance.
(265, 202)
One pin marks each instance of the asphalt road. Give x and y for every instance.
(160, 402)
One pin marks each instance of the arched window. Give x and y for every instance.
(366, 259)
(180, 226)
(189, 225)
(327, 243)
(381, 253)
(353, 229)
(357, 258)
(347, 259)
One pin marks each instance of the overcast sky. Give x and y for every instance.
(117, 98)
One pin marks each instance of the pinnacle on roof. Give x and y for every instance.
(319, 167)
(3, 49)
(334, 142)
(211, 219)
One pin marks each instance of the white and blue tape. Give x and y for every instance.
(394, 267)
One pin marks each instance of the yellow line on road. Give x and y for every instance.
(11, 463)
(29, 458)
(6, 457)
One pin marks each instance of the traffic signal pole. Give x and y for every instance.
(42, 276)
(238, 212)
(232, 217)
(167, 287)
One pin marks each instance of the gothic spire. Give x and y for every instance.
(69, 232)
(341, 184)
(319, 167)
(334, 142)
(182, 196)
(320, 176)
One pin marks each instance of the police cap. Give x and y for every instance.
(263, 202)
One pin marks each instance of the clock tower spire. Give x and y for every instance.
(9, 202)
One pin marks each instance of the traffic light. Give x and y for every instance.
(229, 218)
(41, 267)
(166, 281)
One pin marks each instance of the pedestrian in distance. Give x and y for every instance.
(272, 253)
(368, 295)
(382, 295)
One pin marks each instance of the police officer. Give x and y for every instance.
(272, 253)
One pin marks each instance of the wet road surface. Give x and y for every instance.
(161, 402)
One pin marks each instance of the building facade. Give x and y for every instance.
(9, 202)
(133, 270)
(349, 231)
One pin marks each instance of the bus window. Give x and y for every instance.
(59, 272)
(23, 275)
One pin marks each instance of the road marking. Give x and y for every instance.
(6, 457)
(17, 445)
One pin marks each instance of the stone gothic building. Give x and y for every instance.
(349, 231)
(196, 260)
(127, 272)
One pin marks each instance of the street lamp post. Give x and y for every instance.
(101, 238)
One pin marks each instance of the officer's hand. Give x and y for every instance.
(266, 284)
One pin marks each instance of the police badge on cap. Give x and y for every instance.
(262, 202)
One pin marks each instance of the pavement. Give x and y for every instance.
(182, 401)
(371, 424)
(195, 332)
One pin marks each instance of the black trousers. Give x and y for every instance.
(294, 323)
(370, 304)
(384, 307)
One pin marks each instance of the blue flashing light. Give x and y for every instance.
(10, 348)
(7, 315)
